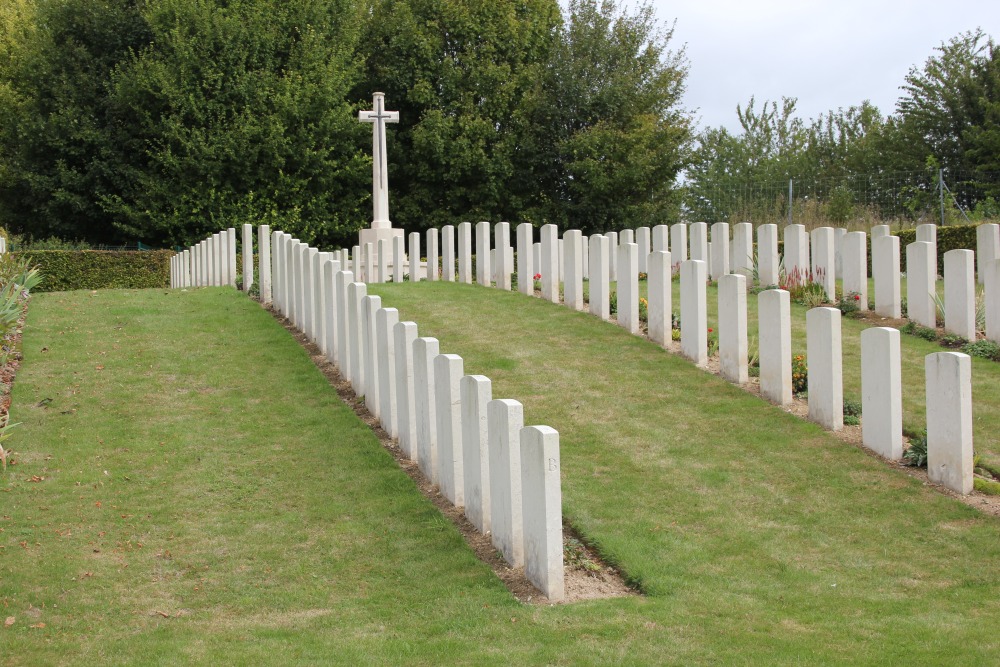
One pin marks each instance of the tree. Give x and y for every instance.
(608, 136)
(459, 72)
(55, 116)
(164, 121)
(237, 112)
(939, 104)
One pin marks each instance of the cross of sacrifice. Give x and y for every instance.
(380, 178)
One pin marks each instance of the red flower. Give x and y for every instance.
(710, 330)
(538, 276)
(857, 297)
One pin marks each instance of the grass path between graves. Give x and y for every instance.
(913, 350)
(204, 497)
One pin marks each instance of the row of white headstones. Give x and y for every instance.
(474, 448)
(824, 255)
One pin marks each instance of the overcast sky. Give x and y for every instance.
(826, 54)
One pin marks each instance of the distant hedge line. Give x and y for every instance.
(100, 269)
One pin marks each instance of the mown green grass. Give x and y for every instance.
(282, 532)
(913, 350)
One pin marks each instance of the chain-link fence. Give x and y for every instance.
(896, 198)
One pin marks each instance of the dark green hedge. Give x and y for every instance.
(957, 237)
(100, 269)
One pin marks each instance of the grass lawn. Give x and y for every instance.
(985, 373)
(206, 498)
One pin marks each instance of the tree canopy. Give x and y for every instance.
(160, 121)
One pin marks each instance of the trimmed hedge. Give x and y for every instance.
(956, 237)
(100, 269)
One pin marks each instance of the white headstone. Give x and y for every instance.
(483, 269)
(920, 284)
(319, 327)
(341, 281)
(768, 260)
(661, 238)
(720, 250)
(824, 268)
(536, 257)
(881, 392)
(525, 267)
(775, 348)
(448, 253)
(987, 247)
(838, 245)
(248, 257)
(330, 271)
(398, 259)
(885, 272)
(448, 413)
(424, 352)
(960, 293)
(733, 328)
(477, 392)
(265, 240)
(369, 263)
(878, 231)
(642, 239)
(927, 233)
(741, 251)
(797, 264)
(550, 263)
(542, 510)
(694, 311)
(404, 333)
(600, 269)
(415, 273)
(659, 309)
(506, 419)
(992, 298)
(573, 251)
(370, 305)
(504, 268)
(854, 253)
(949, 418)
(385, 320)
(613, 255)
(698, 239)
(628, 287)
(355, 292)
(231, 246)
(432, 254)
(826, 376)
(465, 253)
(678, 244)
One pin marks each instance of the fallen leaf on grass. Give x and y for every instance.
(162, 613)
(38, 625)
(99, 367)
(36, 478)
(9, 622)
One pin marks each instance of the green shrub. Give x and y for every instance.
(916, 454)
(915, 329)
(952, 237)
(986, 349)
(100, 269)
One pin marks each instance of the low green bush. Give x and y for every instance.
(100, 269)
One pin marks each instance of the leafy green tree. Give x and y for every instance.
(164, 121)
(459, 72)
(55, 116)
(608, 136)
(237, 112)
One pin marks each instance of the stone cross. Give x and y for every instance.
(380, 178)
